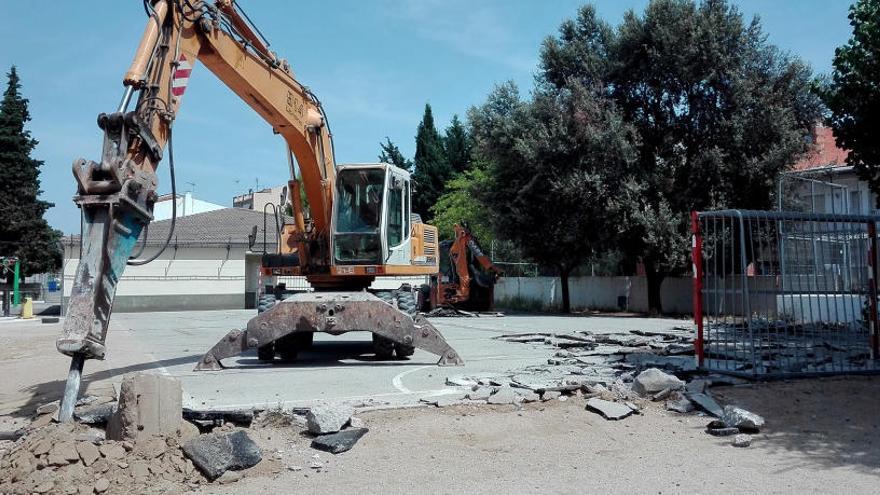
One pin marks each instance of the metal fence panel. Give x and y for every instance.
(784, 294)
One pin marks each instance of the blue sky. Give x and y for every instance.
(373, 64)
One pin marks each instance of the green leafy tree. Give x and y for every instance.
(23, 231)
(459, 204)
(457, 146)
(717, 110)
(431, 170)
(391, 154)
(853, 94)
(556, 173)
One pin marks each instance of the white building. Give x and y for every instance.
(186, 205)
(257, 200)
(207, 264)
(822, 182)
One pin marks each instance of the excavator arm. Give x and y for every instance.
(116, 195)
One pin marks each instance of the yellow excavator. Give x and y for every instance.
(360, 225)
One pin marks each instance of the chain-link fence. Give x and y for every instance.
(780, 294)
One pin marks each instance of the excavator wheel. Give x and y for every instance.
(287, 348)
(406, 302)
(383, 347)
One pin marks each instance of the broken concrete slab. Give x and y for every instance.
(663, 394)
(503, 395)
(88, 452)
(11, 436)
(722, 432)
(48, 408)
(444, 400)
(215, 453)
(653, 380)
(480, 393)
(672, 363)
(550, 395)
(112, 451)
(736, 417)
(149, 404)
(697, 386)
(706, 403)
(339, 442)
(680, 405)
(529, 396)
(460, 381)
(328, 418)
(539, 382)
(742, 440)
(95, 414)
(609, 410)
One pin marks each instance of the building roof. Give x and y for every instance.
(824, 152)
(212, 228)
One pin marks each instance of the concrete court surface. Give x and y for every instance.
(338, 368)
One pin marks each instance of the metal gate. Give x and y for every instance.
(785, 294)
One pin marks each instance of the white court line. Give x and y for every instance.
(398, 384)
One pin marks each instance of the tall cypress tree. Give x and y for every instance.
(431, 167)
(23, 231)
(457, 146)
(391, 154)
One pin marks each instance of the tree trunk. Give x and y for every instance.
(655, 280)
(566, 299)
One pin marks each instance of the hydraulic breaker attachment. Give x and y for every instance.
(116, 199)
(334, 313)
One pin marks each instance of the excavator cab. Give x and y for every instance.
(373, 231)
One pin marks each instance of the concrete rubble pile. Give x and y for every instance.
(328, 422)
(617, 374)
(138, 443)
(447, 312)
(780, 346)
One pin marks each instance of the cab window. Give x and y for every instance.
(395, 212)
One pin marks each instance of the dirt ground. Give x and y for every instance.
(821, 437)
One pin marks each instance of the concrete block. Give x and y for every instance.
(149, 404)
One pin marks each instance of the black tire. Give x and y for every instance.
(287, 348)
(406, 302)
(424, 298)
(303, 340)
(266, 353)
(267, 301)
(383, 347)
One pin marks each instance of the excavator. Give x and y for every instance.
(467, 276)
(360, 225)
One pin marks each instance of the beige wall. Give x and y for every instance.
(186, 277)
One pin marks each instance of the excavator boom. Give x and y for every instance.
(116, 194)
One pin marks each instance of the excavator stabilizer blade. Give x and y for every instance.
(334, 313)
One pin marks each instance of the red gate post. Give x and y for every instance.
(872, 288)
(697, 258)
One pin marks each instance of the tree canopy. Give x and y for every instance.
(551, 162)
(23, 231)
(853, 94)
(717, 113)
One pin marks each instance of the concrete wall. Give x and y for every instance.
(188, 277)
(593, 293)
